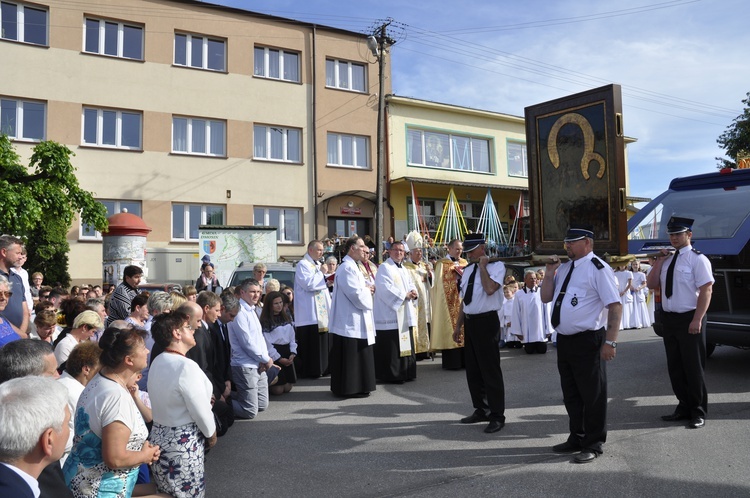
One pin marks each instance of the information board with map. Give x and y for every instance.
(228, 246)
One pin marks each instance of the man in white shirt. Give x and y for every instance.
(250, 359)
(478, 316)
(686, 282)
(312, 303)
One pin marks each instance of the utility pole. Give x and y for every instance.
(379, 44)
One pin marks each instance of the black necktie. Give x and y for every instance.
(670, 275)
(470, 287)
(558, 302)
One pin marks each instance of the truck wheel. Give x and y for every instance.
(710, 346)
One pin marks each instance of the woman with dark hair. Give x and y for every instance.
(110, 436)
(184, 426)
(139, 310)
(289, 301)
(278, 332)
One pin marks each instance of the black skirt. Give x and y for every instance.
(390, 366)
(287, 375)
(352, 366)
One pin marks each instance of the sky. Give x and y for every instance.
(682, 64)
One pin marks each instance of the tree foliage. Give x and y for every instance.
(736, 138)
(39, 204)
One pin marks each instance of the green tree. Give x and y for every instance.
(39, 204)
(736, 138)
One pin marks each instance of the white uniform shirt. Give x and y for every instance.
(391, 286)
(351, 306)
(691, 272)
(480, 301)
(308, 280)
(591, 289)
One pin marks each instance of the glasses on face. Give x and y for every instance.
(6, 294)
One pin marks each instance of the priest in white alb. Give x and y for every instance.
(395, 318)
(312, 302)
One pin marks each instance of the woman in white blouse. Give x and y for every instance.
(180, 393)
(278, 332)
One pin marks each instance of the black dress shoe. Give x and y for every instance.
(475, 417)
(585, 456)
(697, 423)
(675, 417)
(494, 426)
(566, 447)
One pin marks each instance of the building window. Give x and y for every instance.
(288, 223)
(23, 23)
(112, 128)
(517, 160)
(345, 75)
(88, 232)
(113, 38)
(200, 52)
(444, 150)
(199, 136)
(273, 143)
(186, 218)
(22, 120)
(276, 64)
(348, 150)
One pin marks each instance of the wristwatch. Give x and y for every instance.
(611, 343)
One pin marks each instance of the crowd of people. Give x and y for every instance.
(147, 382)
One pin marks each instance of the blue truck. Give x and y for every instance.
(720, 205)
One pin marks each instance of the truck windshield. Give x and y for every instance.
(718, 213)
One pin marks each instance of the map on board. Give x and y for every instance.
(229, 246)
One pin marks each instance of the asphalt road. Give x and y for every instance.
(405, 440)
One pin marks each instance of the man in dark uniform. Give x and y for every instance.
(580, 290)
(480, 283)
(686, 282)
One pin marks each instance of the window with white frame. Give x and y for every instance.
(22, 119)
(517, 159)
(288, 223)
(274, 143)
(112, 128)
(186, 218)
(113, 38)
(446, 150)
(199, 136)
(348, 150)
(200, 51)
(276, 64)
(23, 23)
(88, 232)
(346, 75)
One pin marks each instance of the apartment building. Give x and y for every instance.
(187, 113)
(435, 147)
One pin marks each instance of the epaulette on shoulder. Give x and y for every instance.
(696, 251)
(598, 263)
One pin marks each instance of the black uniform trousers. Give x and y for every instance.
(686, 359)
(583, 378)
(482, 356)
